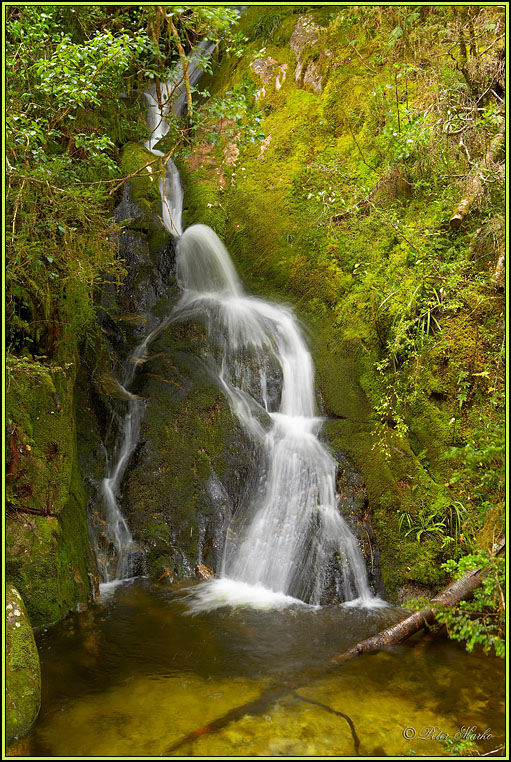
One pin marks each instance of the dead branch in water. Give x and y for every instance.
(451, 595)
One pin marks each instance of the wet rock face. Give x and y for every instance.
(188, 473)
(353, 503)
(125, 317)
(22, 672)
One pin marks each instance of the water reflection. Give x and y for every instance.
(134, 674)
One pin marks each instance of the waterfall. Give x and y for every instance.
(116, 560)
(280, 544)
(172, 99)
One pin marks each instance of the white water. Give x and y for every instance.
(117, 562)
(172, 97)
(280, 545)
(224, 591)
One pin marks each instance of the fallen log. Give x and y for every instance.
(474, 188)
(451, 595)
(457, 591)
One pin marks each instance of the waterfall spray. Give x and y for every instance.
(283, 540)
(281, 543)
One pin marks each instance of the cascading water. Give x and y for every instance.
(117, 562)
(282, 542)
(171, 97)
(115, 550)
(170, 184)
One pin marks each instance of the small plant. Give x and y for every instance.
(480, 621)
(425, 525)
(460, 747)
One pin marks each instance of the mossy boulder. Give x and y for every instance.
(143, 210)
(22, 670)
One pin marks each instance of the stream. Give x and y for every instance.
(148, 664)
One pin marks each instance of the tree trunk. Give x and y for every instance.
(184, 64)
(475, 184)
(457, 591)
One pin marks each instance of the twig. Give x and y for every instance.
(359, 149)
(367, 533)
(163, 159)
(492, 44)
(356, 740)
(16, 207)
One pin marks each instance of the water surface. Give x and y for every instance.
(136, 673)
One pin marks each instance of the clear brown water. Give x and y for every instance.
(135, 673)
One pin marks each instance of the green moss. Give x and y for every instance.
(48, 555)
(22, 671)
(45, 439)
(418, 562)
(338, 369)
(203, 197)
(145, 187)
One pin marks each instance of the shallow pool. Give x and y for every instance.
(136, 674)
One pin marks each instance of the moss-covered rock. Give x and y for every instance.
(145, 186)
(48, 555)
(22, 671)
(188, 472)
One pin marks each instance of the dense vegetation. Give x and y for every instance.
(74, 73)
(344, 207)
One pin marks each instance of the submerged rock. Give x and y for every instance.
(22, 671)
